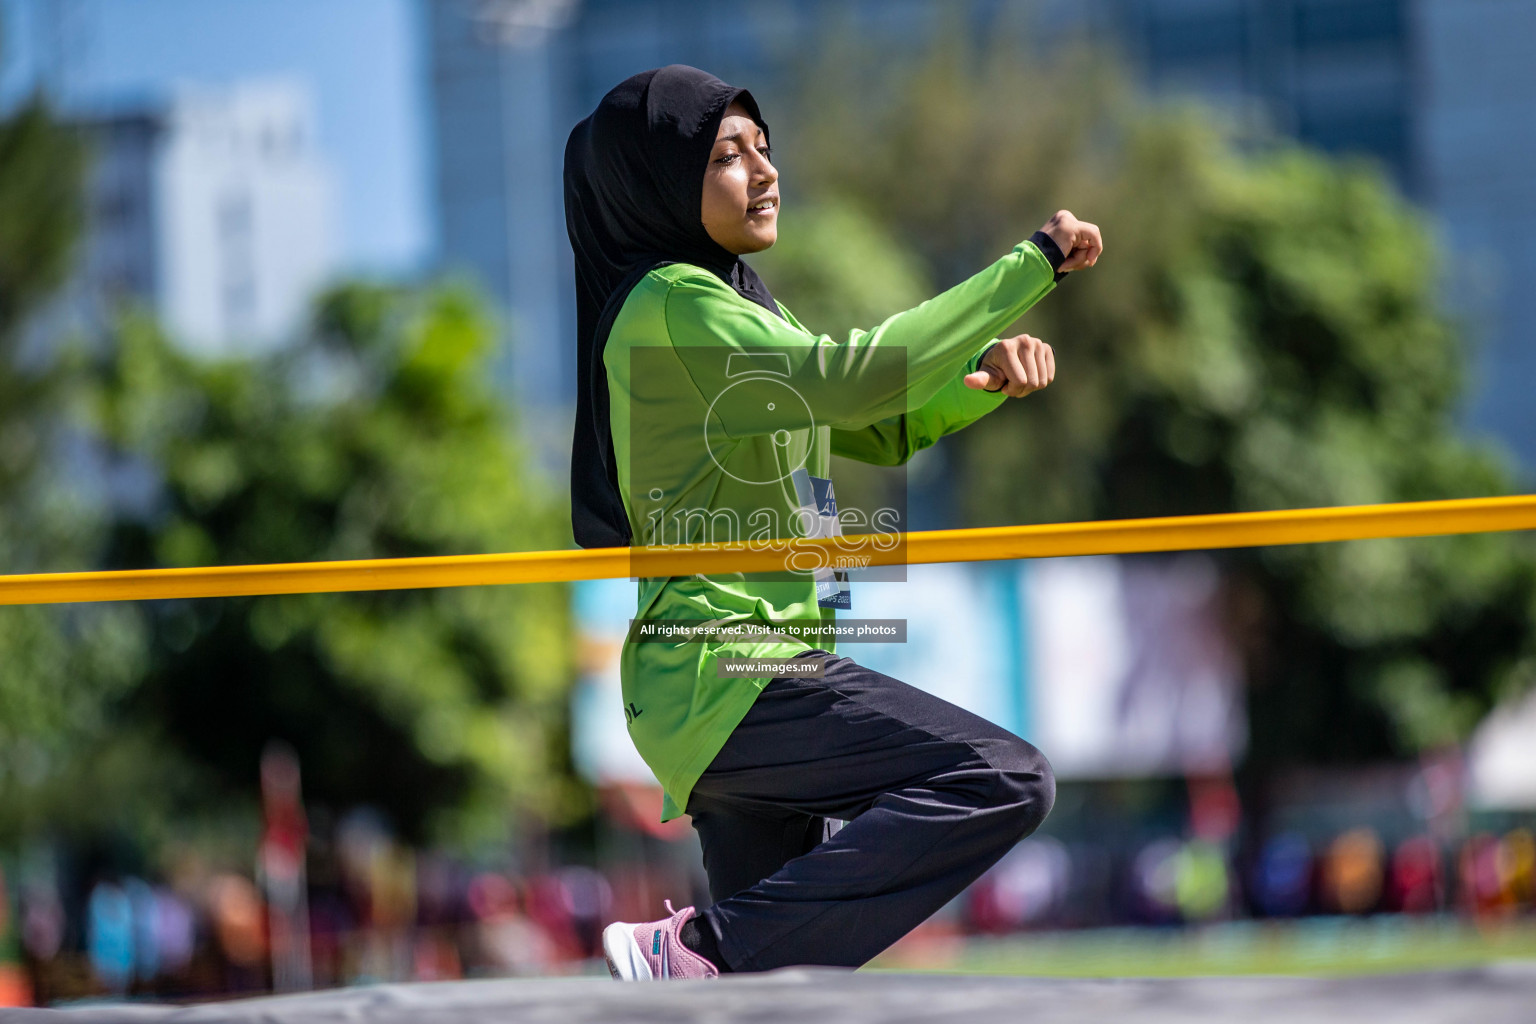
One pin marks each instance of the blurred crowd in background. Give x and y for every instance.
(90, 924)
(375, 910)
(287, 280)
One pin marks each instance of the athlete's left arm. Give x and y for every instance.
(894, 440)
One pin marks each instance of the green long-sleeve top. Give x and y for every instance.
(714, 402)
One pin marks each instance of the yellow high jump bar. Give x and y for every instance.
(1117, 536)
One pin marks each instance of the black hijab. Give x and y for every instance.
(634, 184)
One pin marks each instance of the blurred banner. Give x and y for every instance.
(1133, 673)
(1500, 757)
(1115, 667)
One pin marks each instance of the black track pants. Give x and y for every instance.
(933, 795)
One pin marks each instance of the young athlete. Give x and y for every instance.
(707, 413)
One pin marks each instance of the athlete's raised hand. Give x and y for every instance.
(1020, 365)
(1079, 240)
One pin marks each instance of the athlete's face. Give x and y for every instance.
(737, 184)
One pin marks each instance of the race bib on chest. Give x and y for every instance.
(815, 495)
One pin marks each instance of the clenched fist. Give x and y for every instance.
(1020, 365)
(1079, 240)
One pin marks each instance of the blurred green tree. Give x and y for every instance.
(1264, 331)
(59, 666)
(376, 435)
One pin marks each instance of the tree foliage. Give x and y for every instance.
(377, 436)
(1264, 331)
(59, 666)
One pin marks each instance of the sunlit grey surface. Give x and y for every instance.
(1489, 995)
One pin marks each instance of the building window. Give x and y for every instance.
(1381, 132)
(1328, 23)
(1190, 38)
(234, 218)
(114, 208)
(237, 260)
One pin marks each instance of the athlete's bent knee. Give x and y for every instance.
(1026, 784)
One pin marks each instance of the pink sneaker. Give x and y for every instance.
(653, 950)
